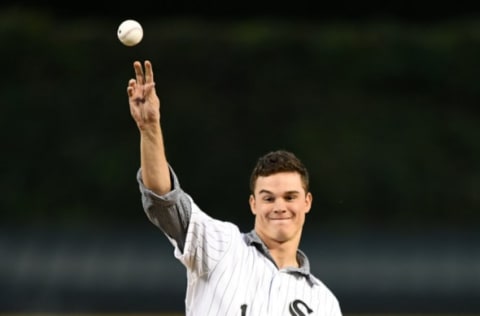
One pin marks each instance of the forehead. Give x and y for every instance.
(280, 182)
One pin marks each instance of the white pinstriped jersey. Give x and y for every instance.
(229, 272)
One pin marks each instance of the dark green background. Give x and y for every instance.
(384, 113)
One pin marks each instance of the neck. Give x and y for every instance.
(284, 258)
(284, 253)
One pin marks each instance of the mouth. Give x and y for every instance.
(280, 219)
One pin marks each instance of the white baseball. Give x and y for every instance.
(130, 32)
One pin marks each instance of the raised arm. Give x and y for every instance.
(145, 110)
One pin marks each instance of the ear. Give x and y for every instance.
(308, 202)
(251, 201)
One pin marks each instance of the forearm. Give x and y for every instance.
(155, 171)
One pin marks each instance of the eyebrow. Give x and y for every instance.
(268, 192)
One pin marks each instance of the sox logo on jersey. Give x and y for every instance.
(293, 308)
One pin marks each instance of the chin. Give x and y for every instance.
(281, 236)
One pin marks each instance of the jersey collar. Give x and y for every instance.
(252, 238)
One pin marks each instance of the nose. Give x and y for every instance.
(279, 206)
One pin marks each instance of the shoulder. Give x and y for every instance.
(208, 228)
(322, 287)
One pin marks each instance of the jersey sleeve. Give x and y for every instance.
(200, 241)
(170, 212)
(208, 241)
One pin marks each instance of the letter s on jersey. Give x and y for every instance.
(295, 310)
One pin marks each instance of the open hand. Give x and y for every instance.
(142, 97)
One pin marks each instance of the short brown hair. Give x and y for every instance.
(279, 161)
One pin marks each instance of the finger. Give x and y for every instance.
(138, 72)
(131, 87)
(148, 72)
(150, 88)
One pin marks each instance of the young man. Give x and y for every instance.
(259, 273)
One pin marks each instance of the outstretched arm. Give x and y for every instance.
(145, 110)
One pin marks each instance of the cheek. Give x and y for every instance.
(302, 213)
(261, 211)
(302, 217)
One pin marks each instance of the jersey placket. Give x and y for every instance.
(277, 293)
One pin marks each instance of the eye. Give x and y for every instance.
(290, 197)
(268, 198)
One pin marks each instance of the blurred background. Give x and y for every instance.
(381, 104)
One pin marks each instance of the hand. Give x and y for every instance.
(142, 97)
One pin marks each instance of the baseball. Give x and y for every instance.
(130, 32)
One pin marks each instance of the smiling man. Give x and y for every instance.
(262, 272)
(280, 199)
